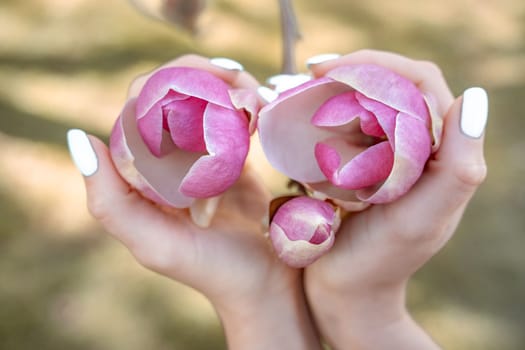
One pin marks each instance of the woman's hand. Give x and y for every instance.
(357, 291)
(259, 299)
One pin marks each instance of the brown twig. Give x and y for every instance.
(290, 35)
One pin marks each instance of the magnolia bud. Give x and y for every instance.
(303, 229)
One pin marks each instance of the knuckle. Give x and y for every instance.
(105, 207)
(368, 54)
(157, 259)
(98, 208)
(431, 67)
(423, 233)
(412, 232)
(418, 232)
(190, 57)
(470, 176)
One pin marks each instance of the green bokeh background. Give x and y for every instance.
(64, 284)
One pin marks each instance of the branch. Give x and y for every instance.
(290, 35)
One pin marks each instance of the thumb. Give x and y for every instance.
(123, 212)
(457, 169)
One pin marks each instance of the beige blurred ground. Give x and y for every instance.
(65, 285)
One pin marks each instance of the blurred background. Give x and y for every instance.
(64, 284)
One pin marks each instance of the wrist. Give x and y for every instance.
(402, 333)
(273, 320)
(368, 318)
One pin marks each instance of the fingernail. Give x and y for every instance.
(82, 152)
(474, 112)
(321, 59)
(283, 82)
(267, 94)
(227, 64)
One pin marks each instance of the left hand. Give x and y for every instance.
(259, 299)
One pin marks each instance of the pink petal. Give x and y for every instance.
(151, 127)
(246, 100)
(185, 120)
(370, 125)
(414, 140)
(385, 86)
(187, 81)
(412, 149)
(384, 115)
(364, 168)
(157, 179)
(368, 168)
(333, 152)
(152, 123)
(328, 159)
(172, 96)
(227, 142)
(226, 132)
(338, 110)
(287, 136)
(341, 110)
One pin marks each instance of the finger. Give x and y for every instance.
(228, 70)
(426, 75)
(455, 172)
(123, 212)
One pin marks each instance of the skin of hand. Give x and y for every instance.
(259, 300)
(357, 291)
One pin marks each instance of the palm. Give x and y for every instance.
(388, 243)
(232, 257)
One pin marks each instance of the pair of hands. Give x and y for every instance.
(354, 296)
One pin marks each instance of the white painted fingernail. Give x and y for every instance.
(283, 82)
(267, 94)
(321, 59)
(227, 64)
(82, 152)
(474, 112)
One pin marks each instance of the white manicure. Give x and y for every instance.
(283, 82)
(267, 94)
(82, 152)
(474, 112)
(226, 63)
(321, 59)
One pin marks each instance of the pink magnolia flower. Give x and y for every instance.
(303, 229)
(183, 137)
(361, 134)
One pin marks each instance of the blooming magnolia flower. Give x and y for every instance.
(361, 134)
(183, 137)
(302, 229)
